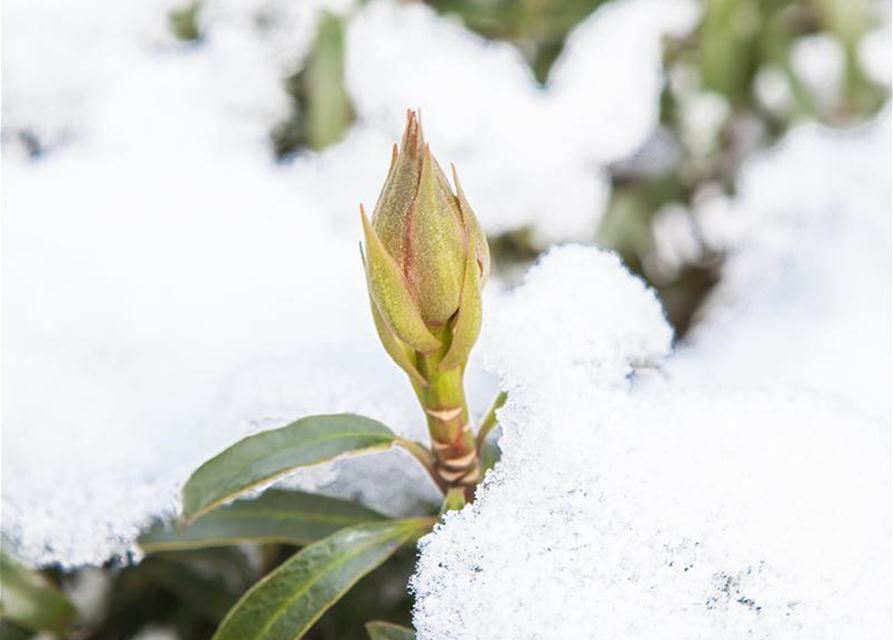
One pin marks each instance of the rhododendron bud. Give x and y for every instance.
(426, 258)
(426, 261)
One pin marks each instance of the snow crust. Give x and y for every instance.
(632, 510)
(169, 288)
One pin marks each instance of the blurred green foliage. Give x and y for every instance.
(737, 45)
(735, 41)
(538, 28)
(322, 111)
(190, 592)
(184, 22)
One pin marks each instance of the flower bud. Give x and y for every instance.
(426, 259)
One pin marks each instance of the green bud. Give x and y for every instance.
(391, 295)
(426, 258)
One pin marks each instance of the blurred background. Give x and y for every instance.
(736, 82)
(162, 159)
(737, 78)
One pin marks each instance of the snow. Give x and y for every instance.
(632, 510)
(169, 288)
(537, 331)
(819, 61)
(805, 293)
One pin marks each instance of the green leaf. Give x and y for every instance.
(329, 112)
(386, 631)
(28, 600)
(265, 457)
(10, 631)
(454, 500)
(289, 517)
(286, 603)
(490, 455)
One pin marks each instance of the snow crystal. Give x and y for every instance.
(805, 294)
(631, 511)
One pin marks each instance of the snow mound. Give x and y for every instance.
(806, 293)
(631, 512)
(577, 307)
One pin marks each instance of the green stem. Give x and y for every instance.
(457, 463)
(489, 420)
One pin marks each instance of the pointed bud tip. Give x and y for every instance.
(364, 219)
(413, 138)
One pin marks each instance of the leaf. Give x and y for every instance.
(10, 631)
(265, 457)
(286, 603)
(387, 631)
(28, 600)
(490, 455)
(289, 517)
(328, 109)
(206, 594)
(454, 500)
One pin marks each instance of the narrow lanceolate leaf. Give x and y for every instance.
(286, 603)
(288, 517)
(267, 456)
(28, 600)
(386, 631)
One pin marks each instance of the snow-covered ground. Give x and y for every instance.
(740, 487)
(168, 289)
(631, 507)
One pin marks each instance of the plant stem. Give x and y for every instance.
(489, 420)
(456, 459)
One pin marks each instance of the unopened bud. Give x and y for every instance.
(426, 259)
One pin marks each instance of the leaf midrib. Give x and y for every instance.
(202, 509)
(282, 514)
(328, 567)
